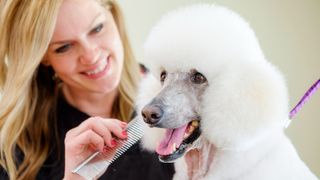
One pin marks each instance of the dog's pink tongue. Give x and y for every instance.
(172, 136)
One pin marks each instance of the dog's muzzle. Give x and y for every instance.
(152, 114)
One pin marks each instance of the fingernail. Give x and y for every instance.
(113, 142)
(124, 133)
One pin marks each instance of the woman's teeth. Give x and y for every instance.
(99, 69)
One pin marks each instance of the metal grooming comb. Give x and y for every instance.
(96, 164)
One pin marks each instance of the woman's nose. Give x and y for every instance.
(89, 53)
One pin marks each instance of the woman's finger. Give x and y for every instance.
(106, 128)
(117, 128)
(85, 139)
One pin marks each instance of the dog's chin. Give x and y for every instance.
(178, 141)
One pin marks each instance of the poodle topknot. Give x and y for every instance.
(222, 46)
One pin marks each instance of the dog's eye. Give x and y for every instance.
(198, 78)
(163, 76)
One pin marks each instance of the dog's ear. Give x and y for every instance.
(244, 105)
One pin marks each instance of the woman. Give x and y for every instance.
(68, 81)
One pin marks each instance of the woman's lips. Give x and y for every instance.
(100, 70)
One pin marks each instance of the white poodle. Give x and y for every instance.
(216, 105)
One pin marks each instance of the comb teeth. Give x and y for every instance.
(97, 163)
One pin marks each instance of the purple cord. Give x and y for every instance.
(305, 98)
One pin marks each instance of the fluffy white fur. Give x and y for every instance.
(245, 106)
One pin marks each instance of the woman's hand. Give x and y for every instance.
(91, 135)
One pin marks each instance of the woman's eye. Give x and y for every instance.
(163, 76)
(198, 78)
(63, 48)
(97, 29)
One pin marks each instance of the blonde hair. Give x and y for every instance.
(28, 93)
(130, 77)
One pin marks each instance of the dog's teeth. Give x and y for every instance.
(195, 123)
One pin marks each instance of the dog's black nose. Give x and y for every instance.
(152, 114)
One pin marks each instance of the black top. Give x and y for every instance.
(134, 164)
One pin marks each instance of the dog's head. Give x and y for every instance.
(212, 77)
(177, 109)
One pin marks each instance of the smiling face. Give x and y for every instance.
(86, 51)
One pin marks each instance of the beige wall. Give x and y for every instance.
(289, 33)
